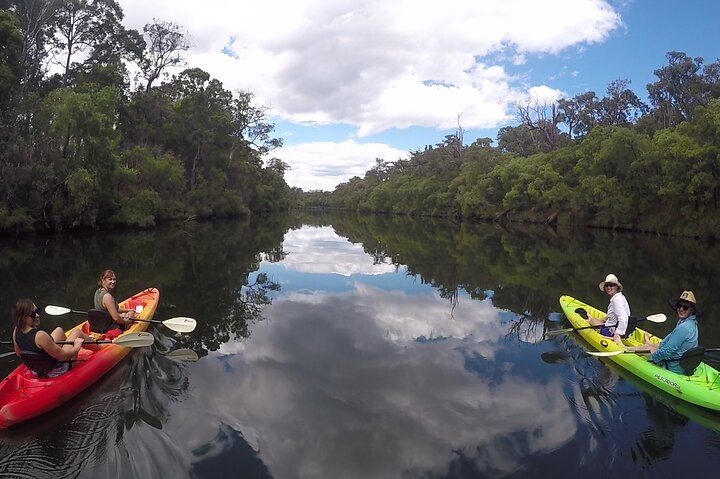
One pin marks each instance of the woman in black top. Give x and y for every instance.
(27, 337)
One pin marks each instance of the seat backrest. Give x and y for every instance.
(632, 324)
(691, 359)
(38, 363)
(100, 321)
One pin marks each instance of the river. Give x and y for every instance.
(333, 346)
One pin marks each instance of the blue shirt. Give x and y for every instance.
(680, 339)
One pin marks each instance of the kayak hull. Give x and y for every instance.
(702, 388)
(24, 396)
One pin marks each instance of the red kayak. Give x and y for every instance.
(24, 396)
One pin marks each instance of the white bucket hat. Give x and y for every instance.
(611, 278)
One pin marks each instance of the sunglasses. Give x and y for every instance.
(683, 307)
(34, 313)
(608, 285)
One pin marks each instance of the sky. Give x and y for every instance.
(349, 81)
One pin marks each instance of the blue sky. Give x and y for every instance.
(349, 81)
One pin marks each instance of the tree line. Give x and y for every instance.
(95, 132)
(613, 161)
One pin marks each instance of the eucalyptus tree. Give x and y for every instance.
(35, 17)
(251, 139)
(580, 113)
(679, 89)
(166, 45)
(11, 46)
(200, 122)
(78, 129)
(517, 140)
(79, 27)
(251, 126)
(691, 164)
(620, 106)
(541, 119)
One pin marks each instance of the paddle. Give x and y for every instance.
(180, 324)
(128, 340)
(655, 318)
(607, 354)
(183, 354)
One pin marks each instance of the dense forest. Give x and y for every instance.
(94, 132)
(614, 161)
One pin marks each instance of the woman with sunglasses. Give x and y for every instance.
(682, 338)
(104, 300)
(28, 338)
(615, 322)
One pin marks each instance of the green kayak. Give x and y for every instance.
(702, 388)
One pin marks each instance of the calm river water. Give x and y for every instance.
(341, 347)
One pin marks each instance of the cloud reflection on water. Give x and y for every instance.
(338, 385)
(321, 250)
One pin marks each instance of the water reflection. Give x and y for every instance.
(324, 387)
(380, 365)
(321, 250)
(366, 347)
(627, 417)
(95, 434)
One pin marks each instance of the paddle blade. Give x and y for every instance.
(187, 355)
(181, 324)
(657, 318)
(135, 340)
(607, 354)
(53, 310)
(554, 332)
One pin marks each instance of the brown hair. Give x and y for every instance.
(104, 275)
(23, 307)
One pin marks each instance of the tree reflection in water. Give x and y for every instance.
(97, 431)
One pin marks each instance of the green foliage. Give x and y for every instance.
(83, 196)
(81, 123)
(162, 174)
(615, 177)
(11, 44)
(17, 220)
(139, 210)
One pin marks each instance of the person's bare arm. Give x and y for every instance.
(46, 343)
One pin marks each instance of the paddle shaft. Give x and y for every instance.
(655, 318)
(101, 341)
(607, 354)
(179, 324)
(570, 330)
(12, 353)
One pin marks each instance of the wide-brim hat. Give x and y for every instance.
(687, 297)
(612, 279)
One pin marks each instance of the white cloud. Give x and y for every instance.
(368, 62)
(376, 64)
(543, 94)
(323, 165)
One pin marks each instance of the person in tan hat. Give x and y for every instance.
(682, 338)
(615, 322)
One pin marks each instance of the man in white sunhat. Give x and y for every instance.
(615, 322)
(682, 338)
